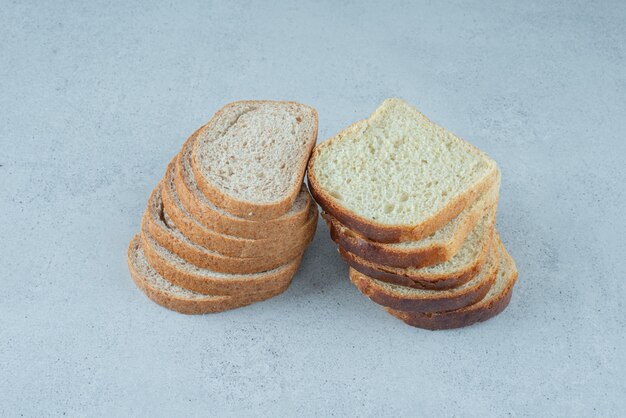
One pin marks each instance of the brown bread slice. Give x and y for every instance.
(179, 299)
(465, 264)
(496, 300)
(410, 299)
(207, 281)
(434, 249)
(222, 243)
(251, 157)
(218, 219)
(157, 224)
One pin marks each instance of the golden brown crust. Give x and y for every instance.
(429, 302)
(386, 233)
(249, 210)
(426, 280)
(228, 244)
(201, 257)
(401, 257)
(194, 306)
(232, 225)
(214, 285)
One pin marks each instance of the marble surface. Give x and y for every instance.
(95, 100)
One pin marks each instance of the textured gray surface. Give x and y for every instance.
(95, 101)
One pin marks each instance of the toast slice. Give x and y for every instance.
(219, 220)
(464, 266)
(436, 248)
(410, 299)
(250, 158)
(157, 224)
(397, 176)
(223, 243)
(210, 282)
(496, 300)
(179, 299)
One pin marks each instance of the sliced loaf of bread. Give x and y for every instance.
(464, 266)
(425, 300)
(492, 304)
(223, 243)
(159, 225)
(250, 158)
(176, 298)
(207, 281)
(397, 176)
(219, 220)
(436, 248)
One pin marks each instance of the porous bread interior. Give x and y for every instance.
(190, 268)
(485, 271)
(397, 167)
(468, 253)
(448, 232)
(251, 150)
(298, 205)
(155, 280)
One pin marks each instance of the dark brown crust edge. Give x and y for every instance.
(247, 210)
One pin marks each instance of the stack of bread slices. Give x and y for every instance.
(229, 222)
(412, 208)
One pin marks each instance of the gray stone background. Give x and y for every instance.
(95, 100)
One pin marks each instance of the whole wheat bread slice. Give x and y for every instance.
(251, 156)
(462, 267)
(397, 176)
(410, 299)
(223, 243)
(207, 281)
(157, 224)
(496, 300)
(219, 220)
(434, 249)
(176, 298)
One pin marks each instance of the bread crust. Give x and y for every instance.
(177, 303)
(380, 253)
(420, 281)
(232, 225)
(232, 286)
(152, 226)
(249, 210)
(228, 244)
(432, 302)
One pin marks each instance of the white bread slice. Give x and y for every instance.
(251, 156)
(424, 300)
(207, 281)
(219, 220)
(464, 266)
(157, 224)
(434, 249)
(223, 243)
(397, 176)
(176, 298)
(496, 300)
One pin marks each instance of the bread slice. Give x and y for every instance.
(222, 243)
(410, 299)
(492, 304)
(219, 220)
(397, 176)
(464, 266)
(179, 299)
(251, 156)
(207, 281)
(157, 224)
(436, 248)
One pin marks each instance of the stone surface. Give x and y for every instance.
(95, 101)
